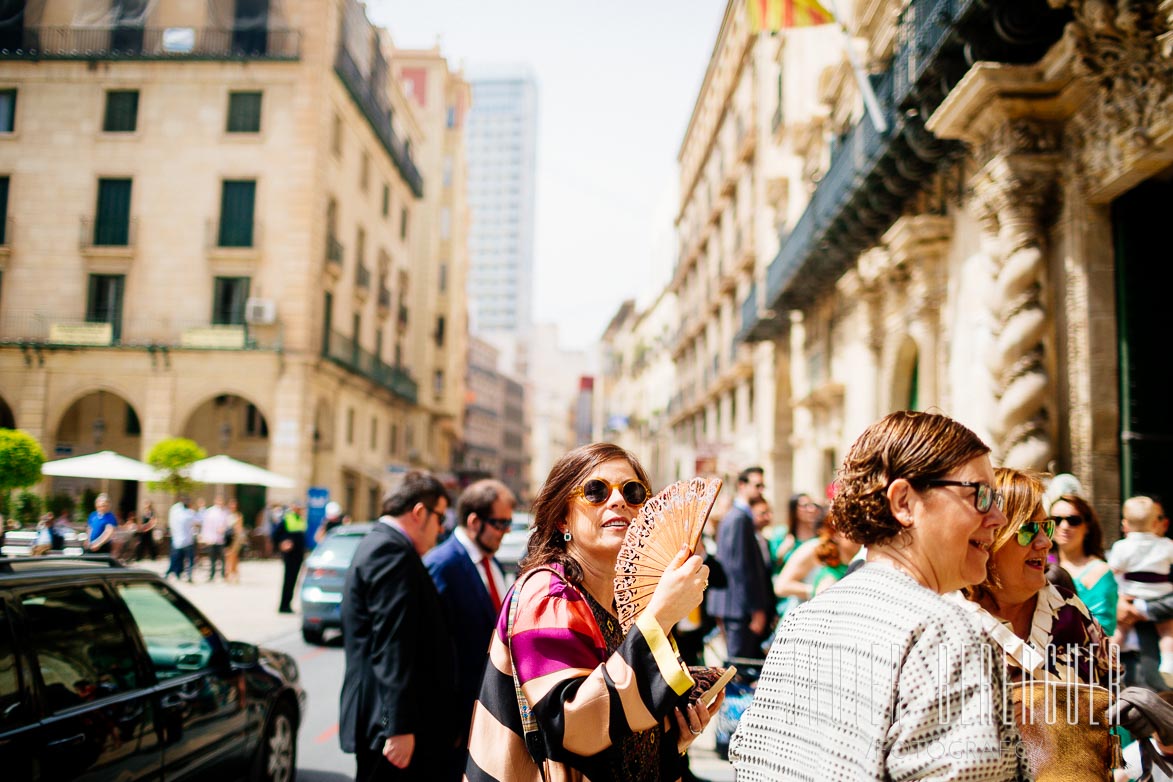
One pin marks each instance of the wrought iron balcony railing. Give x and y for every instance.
(149, 43)
(52, 330)
(346, 352)
(369, 98)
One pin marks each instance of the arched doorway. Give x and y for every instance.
(98, 421)
(7, 418)
(233, 425)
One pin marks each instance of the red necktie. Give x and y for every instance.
(496, 598)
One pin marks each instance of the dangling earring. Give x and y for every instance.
(566, 536)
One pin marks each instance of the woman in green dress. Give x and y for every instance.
(1080, 543)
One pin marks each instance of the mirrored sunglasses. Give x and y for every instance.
(596, 491)
(1030, 530)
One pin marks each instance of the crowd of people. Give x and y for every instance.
(888, 626)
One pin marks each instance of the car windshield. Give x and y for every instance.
(336, 550)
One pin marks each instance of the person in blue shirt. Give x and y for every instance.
(102, 524)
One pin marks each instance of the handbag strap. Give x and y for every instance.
(529, 723)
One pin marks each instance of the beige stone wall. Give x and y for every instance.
(314, 146)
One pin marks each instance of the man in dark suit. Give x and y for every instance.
(397, 712)
(743, 606)
(472, 586)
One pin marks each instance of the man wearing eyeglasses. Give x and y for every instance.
(472, 585)
(396, 711)
(744, 605)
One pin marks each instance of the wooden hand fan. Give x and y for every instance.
(671, 519)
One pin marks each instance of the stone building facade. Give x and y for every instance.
(990, 246)
(212, 231)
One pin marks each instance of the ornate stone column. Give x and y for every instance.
(1020, 183)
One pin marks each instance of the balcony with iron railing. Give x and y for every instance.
(148, 43)
(873, 175)
(348, 354)
(334, 254)
(371, 100)
(107, 237)
(52, 330)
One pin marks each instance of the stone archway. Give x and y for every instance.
(233, 425)
(7, 417)
(100, 420)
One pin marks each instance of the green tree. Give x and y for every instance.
(172, 456)
(21, 458)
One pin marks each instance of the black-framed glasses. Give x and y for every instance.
(1030, 530)
(500, 524)
(1072, 521)
(596, 491)
(984, 495)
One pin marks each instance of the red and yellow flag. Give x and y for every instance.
(775, 15)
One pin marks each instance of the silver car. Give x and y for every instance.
(325, 576)
(513, 545)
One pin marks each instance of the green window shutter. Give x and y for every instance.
(112, 222)
(237, 201)
(244, 112)
(104, 302)
(7, 110)
(121, 111)
(229, 299)
(4, 237)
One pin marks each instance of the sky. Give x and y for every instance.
(617, 81)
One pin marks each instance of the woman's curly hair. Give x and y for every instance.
(915, 446)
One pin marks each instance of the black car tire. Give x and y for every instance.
(276, 759)
(312, 635)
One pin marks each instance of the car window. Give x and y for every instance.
(80, 647)
(13, 698)
(175, 643)
(337, 550)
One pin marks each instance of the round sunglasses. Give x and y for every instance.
(1030, 530)
(1072, 521)
(596, 491)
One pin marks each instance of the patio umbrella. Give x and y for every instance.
(106, 465)
(225, 469)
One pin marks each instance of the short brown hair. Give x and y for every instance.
(546, 545)
(417, 486)
(917, 447)
(479, 498)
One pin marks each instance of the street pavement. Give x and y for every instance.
(247, 611)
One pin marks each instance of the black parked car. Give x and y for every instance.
(107, 673)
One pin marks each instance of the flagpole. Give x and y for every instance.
(870, 101)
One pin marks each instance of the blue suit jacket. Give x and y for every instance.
(738, 552)
(470, 614)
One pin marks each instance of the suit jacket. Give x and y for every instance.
(746, 589)
(470, 613)
(399, 654)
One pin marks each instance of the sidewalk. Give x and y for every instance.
(248, 612)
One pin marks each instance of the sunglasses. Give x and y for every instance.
(984, 495)
(500, 524)
(596, 491)
(1030, 530)
(1072, 521)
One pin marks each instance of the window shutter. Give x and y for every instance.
(236, 213)
(112, 223)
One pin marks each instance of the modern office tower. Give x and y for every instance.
(502, 143)
(209, 215)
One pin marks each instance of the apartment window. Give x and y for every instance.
(7, 110)
(254, 423)
(443, 277)
(121, 111)
(386, 200)
(360, 246)
(439, 331)
(379, 345)
(112, 221)
(237, 203)
(374, 432)
(438, 383)
(104, 301)
(4, 237)
(350, 426)
(451, 118)
(364, 172)
(244, 112)
(133, 427)
(392, 438)
(403, 223)
(336, 136)
(327, 321)
(228, 299)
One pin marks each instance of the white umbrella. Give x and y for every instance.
(106, 465)
(225, 469)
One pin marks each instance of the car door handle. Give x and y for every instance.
(70, 741)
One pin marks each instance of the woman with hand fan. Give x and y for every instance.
(568, 693)
(880, 677)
